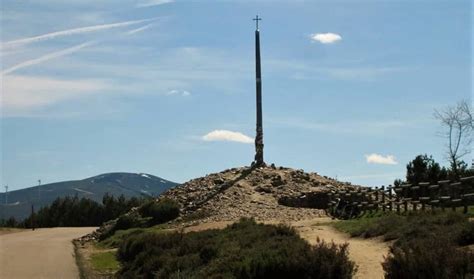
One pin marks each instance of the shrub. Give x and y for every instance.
(126, 222)
(242, 250)
(452, 225)
(430, 258)
(160, 212)
(466, 234)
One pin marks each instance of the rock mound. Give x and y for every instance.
(266, 194)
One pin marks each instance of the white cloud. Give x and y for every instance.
(375, 158)
(326, 38)
(21, 94)
(149, 3)
(176, 92)
(46, 57)
(225, 135)
(73, 31)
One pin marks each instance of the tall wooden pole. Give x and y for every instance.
(259, 162)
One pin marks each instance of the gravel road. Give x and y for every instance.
(43, 253)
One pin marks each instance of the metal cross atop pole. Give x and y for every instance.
(257, 19)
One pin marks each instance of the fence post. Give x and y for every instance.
(383, 198)
(390, 202)
(467, 192)
(376, 199)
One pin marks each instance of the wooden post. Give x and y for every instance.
(390, 197)
(32, 217)
(383, 198)
(377, 201)
(398, 191)
(467, 192)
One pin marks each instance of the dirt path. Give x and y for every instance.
(368, 254)
(43, 253)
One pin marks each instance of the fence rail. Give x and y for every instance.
(444, 194)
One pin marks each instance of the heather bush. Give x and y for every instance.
(431, 258)
(242, 250)
(427, 244)
(160, 212)
(452, 225)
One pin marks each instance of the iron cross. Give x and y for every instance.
(257, 19)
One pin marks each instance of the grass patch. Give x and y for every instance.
(105, 262)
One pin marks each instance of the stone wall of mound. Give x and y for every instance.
(319, 200)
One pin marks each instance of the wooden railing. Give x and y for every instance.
(444, 194)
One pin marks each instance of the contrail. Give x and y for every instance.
(139, 29)
(47, 57)
(68, 32)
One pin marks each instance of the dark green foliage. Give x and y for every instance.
(75, 212)
(118, 237)
(125, 222)
(425, 169)
(8, 223)
(466, 234)
(426, 246)
(430, 258)
(455, 226)
(242, 250)
(160, 212)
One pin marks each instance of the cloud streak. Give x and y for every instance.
(139, 29)
(225, 135)
(175, 92)
(47, 57)
(21, 94)
(375, 158)
(149, 3)
(88, 29)
(326, 38)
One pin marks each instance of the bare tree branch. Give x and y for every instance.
(459, 125)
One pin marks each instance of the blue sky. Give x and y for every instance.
(168, 87)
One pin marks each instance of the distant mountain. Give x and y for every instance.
(116, 184)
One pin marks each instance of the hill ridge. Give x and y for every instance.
(94, 187)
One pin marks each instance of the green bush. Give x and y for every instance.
(466, 235)
(242, 250)
(426, 246)
(430, 258)
(126, 222)
(160, 212)
(452, 225)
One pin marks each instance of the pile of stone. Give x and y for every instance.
(266, 194)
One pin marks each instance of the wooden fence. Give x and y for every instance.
(444, 194)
